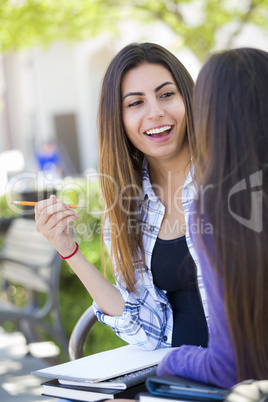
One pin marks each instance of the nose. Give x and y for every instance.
(155, 110)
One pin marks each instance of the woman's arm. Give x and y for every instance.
(143, 319)
(53, 220)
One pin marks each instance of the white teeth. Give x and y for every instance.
(158, 130)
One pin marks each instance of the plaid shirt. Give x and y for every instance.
(147, 320)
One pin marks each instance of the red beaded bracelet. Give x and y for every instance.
(69, 256)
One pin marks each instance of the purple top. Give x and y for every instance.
(215, 364)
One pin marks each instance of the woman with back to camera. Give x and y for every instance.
(145, 119)
(230, 156)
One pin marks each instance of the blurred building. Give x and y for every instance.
(53, 95)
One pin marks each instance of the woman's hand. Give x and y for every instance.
(53, 219)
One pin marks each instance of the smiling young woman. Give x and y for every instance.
(145, 122)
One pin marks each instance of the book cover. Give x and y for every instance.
(121, 383)
(179, 387)
(54, 389)
(105, 365)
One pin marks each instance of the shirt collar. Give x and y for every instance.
(146, 183)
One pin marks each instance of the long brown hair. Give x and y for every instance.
(231, 159)
(120, 163)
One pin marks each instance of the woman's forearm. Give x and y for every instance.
(107, 297)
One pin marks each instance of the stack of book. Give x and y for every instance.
(117, 373)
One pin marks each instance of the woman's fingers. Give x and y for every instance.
(58, 220)
(42, 205)
(53, 213)
(53, 220)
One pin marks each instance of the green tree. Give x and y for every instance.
(197, 23)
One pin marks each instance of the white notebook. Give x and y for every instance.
(105, 365)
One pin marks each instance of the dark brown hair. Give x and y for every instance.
(230, 154)
(120, 160)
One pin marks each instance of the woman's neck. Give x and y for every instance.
(168, 178)
(173, 171)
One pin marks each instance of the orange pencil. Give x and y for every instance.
(32, 204)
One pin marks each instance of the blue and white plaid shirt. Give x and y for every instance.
(147, 320)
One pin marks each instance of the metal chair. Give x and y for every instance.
(80, 333)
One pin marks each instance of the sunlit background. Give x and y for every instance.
(53, 54)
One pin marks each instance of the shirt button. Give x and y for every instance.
(152, 228)
(164, 339)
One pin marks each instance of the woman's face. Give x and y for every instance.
(153, 111)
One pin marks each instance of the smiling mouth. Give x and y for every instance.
(158, 132)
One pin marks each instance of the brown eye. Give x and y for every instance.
(136, 103)
(167, 94)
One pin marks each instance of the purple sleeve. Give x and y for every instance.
(215, 364)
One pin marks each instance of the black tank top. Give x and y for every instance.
(174, 270)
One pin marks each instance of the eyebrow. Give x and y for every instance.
(142, 93)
